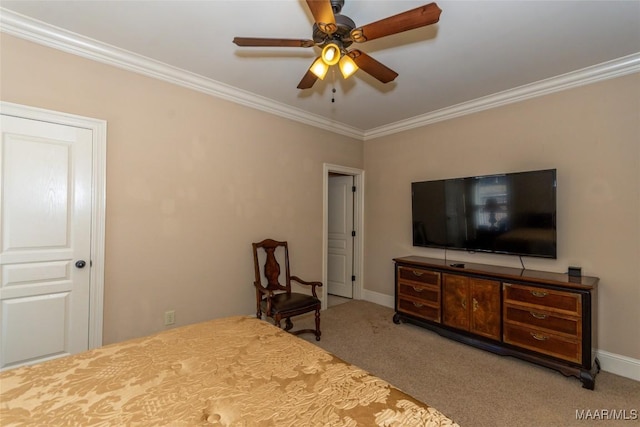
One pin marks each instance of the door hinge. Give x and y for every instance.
(353, 189)
(353, 233)
(353, 278)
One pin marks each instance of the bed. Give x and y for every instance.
(236, 371)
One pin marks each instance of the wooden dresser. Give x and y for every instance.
(544, 318)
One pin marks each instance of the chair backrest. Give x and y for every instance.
(269, 275)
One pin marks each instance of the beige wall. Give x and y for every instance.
(192, 180)
(591, 134)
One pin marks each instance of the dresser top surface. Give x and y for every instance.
(508, 273)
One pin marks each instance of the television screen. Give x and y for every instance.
(512, 213)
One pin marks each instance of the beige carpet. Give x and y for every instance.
(473, 387)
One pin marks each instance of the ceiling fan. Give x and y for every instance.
(334, 33)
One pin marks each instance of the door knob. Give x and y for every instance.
(80, 264)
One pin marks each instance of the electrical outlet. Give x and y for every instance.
(169, 317)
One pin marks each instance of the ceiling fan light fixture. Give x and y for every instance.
(319, 68)
(331, 53)
(334, 33)
(347, 66)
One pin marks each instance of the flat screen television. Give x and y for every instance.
(510, 213)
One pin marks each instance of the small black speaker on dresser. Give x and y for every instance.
(575, 272)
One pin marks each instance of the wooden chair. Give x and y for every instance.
(277, 300)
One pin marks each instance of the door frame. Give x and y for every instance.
(358, 224)
(98, 200)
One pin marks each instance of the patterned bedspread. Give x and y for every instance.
(237, 371)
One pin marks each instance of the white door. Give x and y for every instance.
(45, 233)
(340, 239)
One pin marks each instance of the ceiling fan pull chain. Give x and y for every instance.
(333, 83)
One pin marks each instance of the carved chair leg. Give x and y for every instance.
(259, 307)
(318, 333)
(288, 324)
(277, 320)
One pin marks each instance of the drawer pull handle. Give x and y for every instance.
(539, 294)
(538, 315)
(475, 304)
(417, 289)
(539, 337)
(417, 304)
(417, 273)
(463, 302)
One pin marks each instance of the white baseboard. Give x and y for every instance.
(620, 365)
(614, 363)
(378, 298)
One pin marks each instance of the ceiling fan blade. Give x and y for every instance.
(308, 80)
(323, 14)
(263, 42)
(414, 18)
(372, 67)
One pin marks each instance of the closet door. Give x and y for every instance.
(45, 234)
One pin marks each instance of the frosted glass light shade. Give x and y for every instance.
(331, 54)
(347, 66)
(319, 68)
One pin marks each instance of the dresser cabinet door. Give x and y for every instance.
(472, 305)
(455, 297)
(485, 308)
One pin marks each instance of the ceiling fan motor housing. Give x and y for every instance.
(342, 34)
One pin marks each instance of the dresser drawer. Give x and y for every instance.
(418, 275)
(543, 342)
(424, 293)
(556, 301)
(539, 319)
(420, 309)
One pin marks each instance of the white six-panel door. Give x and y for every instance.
(45, 235)
(340, 240)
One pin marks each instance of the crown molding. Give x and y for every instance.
(607, 70)
(48, 35)
(39, 32)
